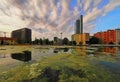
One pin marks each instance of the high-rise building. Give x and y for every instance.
(22, 35)
(79, 25)
(77, 30)
(79, 37)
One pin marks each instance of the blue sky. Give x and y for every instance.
(110, 21)
(48, 18)
(73, 3)
(103, 3)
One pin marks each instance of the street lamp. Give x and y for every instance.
(61, 35)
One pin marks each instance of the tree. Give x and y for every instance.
(41, 41)
(51, 42)
(87, 42)
(47, 41)
(70, 43)
(74, 43)
(100, 41)
(111, 42)
(80, 43)
(2, 42)
(36, 41)
(94, 40)
(65, 41)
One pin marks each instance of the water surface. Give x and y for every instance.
(94, 61)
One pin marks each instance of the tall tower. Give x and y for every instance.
(79, 25)
(77, 30)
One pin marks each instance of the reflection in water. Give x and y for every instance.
(25, 56)
(66, 49)
(56, 50)
(112, 50)
(86, 55)
(80, 51)
(96, 51)
(2, 56)
(2, 49)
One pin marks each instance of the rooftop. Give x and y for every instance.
(7, 38)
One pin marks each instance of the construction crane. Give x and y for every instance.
(3, 33)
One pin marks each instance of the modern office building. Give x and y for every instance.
(109, 36)
(79, 25)
(23, 35)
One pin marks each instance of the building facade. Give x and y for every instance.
(7, 41)
(22, 35)
(118, 36)
(109, 36)
(81, 38)
(79, 25)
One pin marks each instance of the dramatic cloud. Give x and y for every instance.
(48, 18)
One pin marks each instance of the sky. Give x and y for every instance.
(48, 18)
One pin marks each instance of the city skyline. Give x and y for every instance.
(59, 16)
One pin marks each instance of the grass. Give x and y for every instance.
(63, 67)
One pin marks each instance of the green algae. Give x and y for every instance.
(72, 68)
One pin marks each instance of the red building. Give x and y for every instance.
(109, 36)
(8, 41)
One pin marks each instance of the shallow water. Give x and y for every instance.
(11, 56)
(107, 58)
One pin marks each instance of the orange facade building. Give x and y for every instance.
(81, 38)
(109, 36)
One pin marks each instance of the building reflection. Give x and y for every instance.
(56, 50)
(3, 56)
(80, 51)
(24, 56)
(112, 50)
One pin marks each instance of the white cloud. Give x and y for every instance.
(47, 18)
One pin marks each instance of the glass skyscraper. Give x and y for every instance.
(79, 25)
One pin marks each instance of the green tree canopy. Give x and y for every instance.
(94, 40)
(65, 41)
